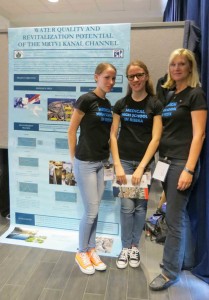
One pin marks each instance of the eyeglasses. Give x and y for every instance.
(138, 76)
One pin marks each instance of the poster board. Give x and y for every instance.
(49, 69)
(150, 42)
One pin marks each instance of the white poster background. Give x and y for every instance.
(49, 68)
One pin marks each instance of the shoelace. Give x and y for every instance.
(134, 254)
(123, 255)
(85, 259)
(96, 257)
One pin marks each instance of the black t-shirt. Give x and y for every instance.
(136, 125)
(160, 91)
(177, 122)
(93, 143)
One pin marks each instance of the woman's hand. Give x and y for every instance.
(137, 175)
(185, 181)
(120, 175)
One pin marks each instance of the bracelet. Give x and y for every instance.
(188, 171)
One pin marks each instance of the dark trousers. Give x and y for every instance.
(179, 245)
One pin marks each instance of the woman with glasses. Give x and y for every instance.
(92, 113)
(184, 119)
(135, 136)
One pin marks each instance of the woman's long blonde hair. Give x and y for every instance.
(193, 78)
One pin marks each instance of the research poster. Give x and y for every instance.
(49, 68)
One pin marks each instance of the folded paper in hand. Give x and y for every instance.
(131, 191)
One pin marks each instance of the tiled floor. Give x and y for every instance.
(39, 274)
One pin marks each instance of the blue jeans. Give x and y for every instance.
(90, 179)
(179, 247)
(133, 212)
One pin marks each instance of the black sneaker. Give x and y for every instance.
(122, 260)
(134, 257)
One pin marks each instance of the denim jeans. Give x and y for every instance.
(133, 212)
(90, 179)
(179, 247)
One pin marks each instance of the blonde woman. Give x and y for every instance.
(184, 120)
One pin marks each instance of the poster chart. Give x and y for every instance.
(49, 68)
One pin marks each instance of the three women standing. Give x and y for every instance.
(135, 136)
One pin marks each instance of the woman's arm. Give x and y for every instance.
(151, 149)
(72, 130)
(120, 174)
(198, 124)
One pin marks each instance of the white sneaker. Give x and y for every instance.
(122, 260)
(134, 257)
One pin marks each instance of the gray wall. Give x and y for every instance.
(153, 45)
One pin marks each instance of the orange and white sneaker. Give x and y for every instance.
(96, 261)
(84, 263)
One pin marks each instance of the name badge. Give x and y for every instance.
(161, 170)
(108, 172)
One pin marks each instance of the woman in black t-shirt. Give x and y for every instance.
(139, 114)
(184, 120)
(92, 112)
